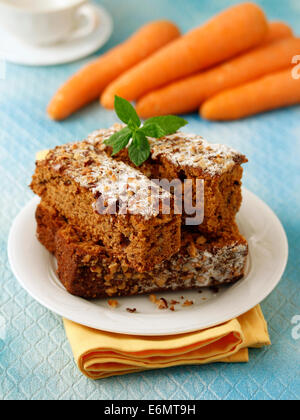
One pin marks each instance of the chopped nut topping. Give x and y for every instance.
(113, 267)
(135, 289)
(86, 259)
(106, 177)
(85, 171)
(111, 290)
(96, 269)
(160, 281)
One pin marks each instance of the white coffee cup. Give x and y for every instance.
(46, 22)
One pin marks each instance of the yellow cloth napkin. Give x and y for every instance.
(101, 354)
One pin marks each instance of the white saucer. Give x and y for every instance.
(15, 51)
(34, 267)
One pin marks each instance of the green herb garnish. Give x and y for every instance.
(139, 148)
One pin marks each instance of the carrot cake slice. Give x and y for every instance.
(190, 157)
(89, 270)
(111, 202)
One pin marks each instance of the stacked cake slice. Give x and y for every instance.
(106, 220)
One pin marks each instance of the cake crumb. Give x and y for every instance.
(188, 303)
(174, 302)
(113, 303)
(172, 308)
(162, 303)
(153, 298)
(131, 310)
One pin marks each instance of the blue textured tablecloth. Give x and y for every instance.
(35, 358)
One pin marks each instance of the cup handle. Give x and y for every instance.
(88, 19)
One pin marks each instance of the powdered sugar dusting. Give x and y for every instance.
(227, 262)
(116, 186)
(207, 266)
(204, 268)
(192, 150)
(183, 150)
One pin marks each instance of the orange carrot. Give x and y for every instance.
(277, 30)
(270, 92)
(227, 34)
(88, 83)
(187, 94)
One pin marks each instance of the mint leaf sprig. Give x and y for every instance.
(139, 148)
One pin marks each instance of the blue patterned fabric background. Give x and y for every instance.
(35, 358)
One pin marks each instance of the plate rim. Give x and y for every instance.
(241, 309)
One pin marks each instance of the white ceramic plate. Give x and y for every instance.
(18, 52)
(34, 267)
